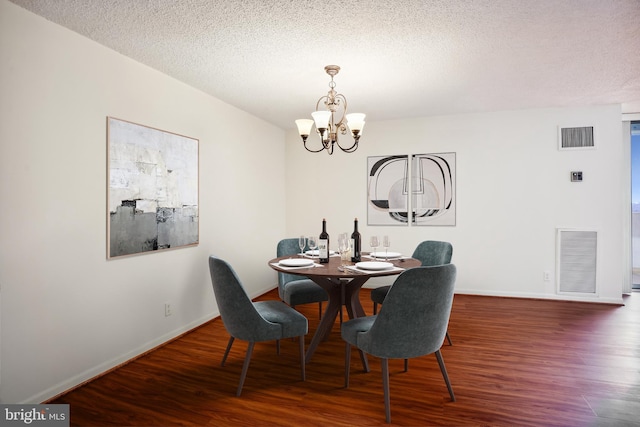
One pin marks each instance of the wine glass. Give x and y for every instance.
(386, 243)
(374, 243)
(312, 243)
(343, 247)
(302, 242)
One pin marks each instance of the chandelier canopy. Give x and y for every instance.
(332, 121)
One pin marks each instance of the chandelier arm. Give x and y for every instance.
(329, 147)
(351, 149)
(313, 151)
(344, 109)
(320, 100)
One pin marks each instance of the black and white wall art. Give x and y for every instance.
(152, 189)
(418, 189)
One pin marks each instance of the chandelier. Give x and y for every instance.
(325, 120)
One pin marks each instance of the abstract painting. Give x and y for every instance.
(417, 189)
(152, 189)
(433, 199)
(388, 190)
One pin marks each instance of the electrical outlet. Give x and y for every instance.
(167, 310)
(546, 276)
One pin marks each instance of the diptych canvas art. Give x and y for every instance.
(417, 189)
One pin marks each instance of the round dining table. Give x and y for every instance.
(342, 285)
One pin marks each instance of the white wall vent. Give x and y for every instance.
(572, 138)
(576, 261)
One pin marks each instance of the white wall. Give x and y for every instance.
(513, 191)
(67, 312)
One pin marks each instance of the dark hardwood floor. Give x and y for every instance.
(514, 362)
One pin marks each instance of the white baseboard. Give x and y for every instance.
(560, 297)
(595, 299)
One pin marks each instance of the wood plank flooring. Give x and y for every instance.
(514, 362)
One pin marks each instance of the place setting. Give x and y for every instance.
(372, 267)
(385, 255)
(294, 263)
(304, 259)
(380, 260)
(314, 253)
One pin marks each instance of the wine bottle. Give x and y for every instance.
(323, 244)
(355, 243)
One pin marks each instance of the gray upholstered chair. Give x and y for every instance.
(411, 323)
(252, 321)
(430, 253)
(296, 290)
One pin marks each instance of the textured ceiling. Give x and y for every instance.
(399, 59)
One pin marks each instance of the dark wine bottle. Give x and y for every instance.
(355, 243)
(323, 244)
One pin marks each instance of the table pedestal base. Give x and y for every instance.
(341, 292)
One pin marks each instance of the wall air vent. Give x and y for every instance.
(576, 138)
(576, 261)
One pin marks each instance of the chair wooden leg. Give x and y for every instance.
(375, 308)
(385, 386)
(278, 347)
(245, 367)
(347, 364)
(406, 365)
(449, 338)
(343, 284)
(443, 369)
(320, 310)
(365, 362)
(302, 361)
(226, 352)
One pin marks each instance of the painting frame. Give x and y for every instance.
(152, 189)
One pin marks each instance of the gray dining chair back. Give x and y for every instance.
(411, 323)
(252, 321)
(296, 290)
(433, 252)
(430, 253)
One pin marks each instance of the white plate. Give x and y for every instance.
(296, 262)
(386, 255)
(374, 265)
(316, 252)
